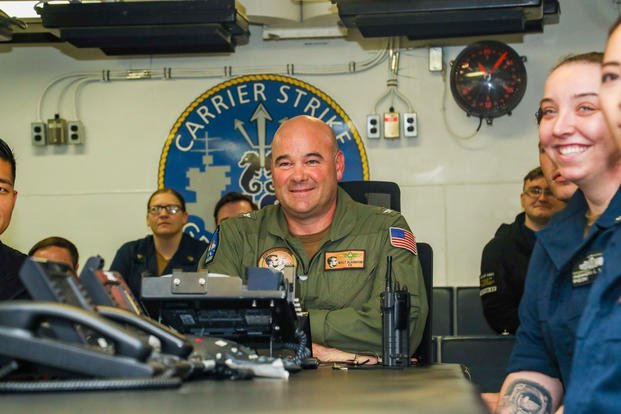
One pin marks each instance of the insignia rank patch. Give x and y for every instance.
(487, 282)
(213, 246)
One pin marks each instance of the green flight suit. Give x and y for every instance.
(342, 296)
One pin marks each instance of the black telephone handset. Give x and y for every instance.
(20, 325)
(114, 300)
(172, 342)
(108, 288)
(56, 282)
(53, 281)
(63, 330)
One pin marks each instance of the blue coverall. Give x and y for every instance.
(562, 270)
(137, 258)
(596, 369)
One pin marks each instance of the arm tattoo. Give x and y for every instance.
(525, 397)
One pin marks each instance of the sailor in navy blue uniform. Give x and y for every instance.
(596, 370)
(167, 249)
(562, 270)
(570, 254)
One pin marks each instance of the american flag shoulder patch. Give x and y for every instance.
(402, 238)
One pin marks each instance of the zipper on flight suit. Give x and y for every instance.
(305, 269)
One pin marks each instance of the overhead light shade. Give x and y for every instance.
(149, 27)
(435, 19)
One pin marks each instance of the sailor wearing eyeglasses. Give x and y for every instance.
(166, 249)
(505, 257)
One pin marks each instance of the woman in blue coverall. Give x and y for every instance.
(570, 254)
(597, 359)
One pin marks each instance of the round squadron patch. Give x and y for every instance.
(277, 258)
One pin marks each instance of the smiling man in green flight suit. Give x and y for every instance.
(338, 246)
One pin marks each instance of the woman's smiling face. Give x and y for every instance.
(610, 89)
(573, 130)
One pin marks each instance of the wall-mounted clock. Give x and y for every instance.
(488, 79)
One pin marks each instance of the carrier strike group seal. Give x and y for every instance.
(222, 142)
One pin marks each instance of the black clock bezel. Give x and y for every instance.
(511, 72)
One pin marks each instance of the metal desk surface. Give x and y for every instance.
(437, 389)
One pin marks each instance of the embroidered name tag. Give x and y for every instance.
(347, 259)
(585, 271)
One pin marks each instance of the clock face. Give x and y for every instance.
(488, 79)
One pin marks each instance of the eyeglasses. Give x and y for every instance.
(170, 209)
(535, 192)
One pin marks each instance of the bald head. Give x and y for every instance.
(305, 124)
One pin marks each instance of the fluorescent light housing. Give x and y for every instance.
(149, 27)
(436, 19)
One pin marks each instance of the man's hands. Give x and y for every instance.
(325, 354)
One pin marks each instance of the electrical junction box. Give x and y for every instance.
(410, 125)
(75, 132)
(38, 133)
(373, 126)
(391, 125)
(435, 59)
(56, 131)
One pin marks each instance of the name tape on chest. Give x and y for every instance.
(346, 259)
(585, 271)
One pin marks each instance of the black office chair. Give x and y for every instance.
(443, 322)
(470, 318)
(485, 357)
(387, 194)
(376, 193)
(424, 352)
